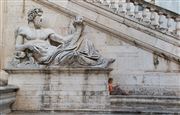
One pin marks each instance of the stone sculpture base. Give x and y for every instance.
(7, 98)
(60, 88)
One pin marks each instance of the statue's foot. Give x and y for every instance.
(125, 93)
(110, 61)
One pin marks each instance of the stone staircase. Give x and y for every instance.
(146, 104)
(139, 23)
(142, 24)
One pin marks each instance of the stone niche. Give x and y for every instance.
(56, 88)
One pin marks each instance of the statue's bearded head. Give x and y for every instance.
(35, 16)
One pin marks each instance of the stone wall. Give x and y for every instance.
(1, 29)
(3, 77)
(135, 69)
(60, 88)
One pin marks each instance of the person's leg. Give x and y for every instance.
(120, 91)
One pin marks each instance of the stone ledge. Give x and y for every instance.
(93, 111)
(145, 97)
(7, 97)
(8, 88)
(49, 70)
(139, 99)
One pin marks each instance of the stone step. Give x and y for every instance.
(123, 105)
(167, 104)
(100, 112)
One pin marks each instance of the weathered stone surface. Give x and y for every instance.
(137, 69)
(142, 103)
(150, 83)
(7, 98)
(60, 88)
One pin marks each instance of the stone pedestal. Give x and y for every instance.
(60, 88)
(7, 98)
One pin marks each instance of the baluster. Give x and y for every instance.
(154, 18)
(170, 24)
(91, 1)
(97, 1)
(112, 5)
(105, 3)
(162, 21)
(136, 11)
(178, 26)
(121, 9)
(128, 8)
(146, 17)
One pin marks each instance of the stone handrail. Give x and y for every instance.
(145, 13)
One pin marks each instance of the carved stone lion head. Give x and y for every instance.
(78, 20)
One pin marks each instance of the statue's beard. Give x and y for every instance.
(38, 24)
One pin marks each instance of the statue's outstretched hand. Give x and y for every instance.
(33, 48)
(20, 54)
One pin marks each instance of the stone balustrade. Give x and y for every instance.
(148, 14)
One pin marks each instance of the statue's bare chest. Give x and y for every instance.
(32, 34)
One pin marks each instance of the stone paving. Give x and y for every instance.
(78, 113)
(67, 113)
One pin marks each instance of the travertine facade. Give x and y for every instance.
(147, 60)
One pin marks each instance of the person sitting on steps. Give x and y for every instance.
(115, 90)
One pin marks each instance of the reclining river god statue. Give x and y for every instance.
(42, 46)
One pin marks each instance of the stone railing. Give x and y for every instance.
(144, 13)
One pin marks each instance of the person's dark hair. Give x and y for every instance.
(110, 79)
